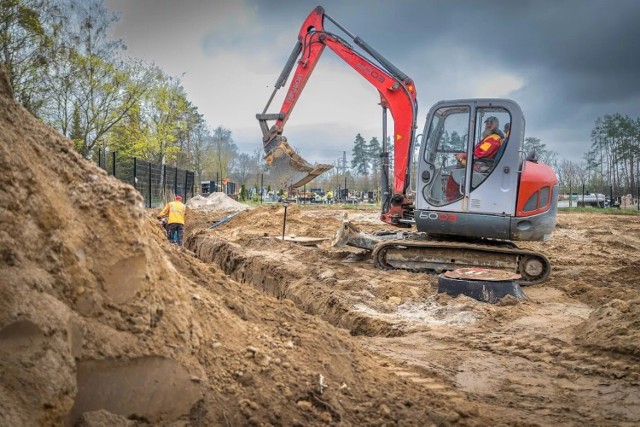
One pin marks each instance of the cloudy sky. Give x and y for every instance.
(565, 62)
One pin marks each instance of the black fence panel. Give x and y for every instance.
(181, 183)
(190, 184)
(157, 183)
(124, 170)
(142, 180)
(107, 161)
(156, 195)
(170, 177)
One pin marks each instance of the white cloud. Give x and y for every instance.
(231, 53)
(497, 85)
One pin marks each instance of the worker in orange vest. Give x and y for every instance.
(487, 148)
(174, 211)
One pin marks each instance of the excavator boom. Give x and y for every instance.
(396, 89)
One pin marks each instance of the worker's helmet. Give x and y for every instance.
(494, 120)
(179, 198)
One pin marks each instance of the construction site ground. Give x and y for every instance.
(568, 354)
(104, 323)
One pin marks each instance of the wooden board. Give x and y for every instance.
(302, 240)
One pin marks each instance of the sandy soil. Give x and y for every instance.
(102, 322)
(567, 355)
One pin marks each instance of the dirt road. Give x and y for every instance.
(567, 355)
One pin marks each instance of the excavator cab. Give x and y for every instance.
(460, 191)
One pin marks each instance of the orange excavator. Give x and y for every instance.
(468, 209)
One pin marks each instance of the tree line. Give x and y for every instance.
(614, 157)
(65, 69)
(611, 164)
(366, 162)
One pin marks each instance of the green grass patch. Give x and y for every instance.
(604, 211)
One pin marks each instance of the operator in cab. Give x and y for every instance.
(487, 148)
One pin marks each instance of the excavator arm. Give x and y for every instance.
(397, 94)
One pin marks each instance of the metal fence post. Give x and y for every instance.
(149, 192)
(611, 196)
(135, 173)
(261, 186)
(175, 183)
(186, 179)
(113, 166)
(164, 181)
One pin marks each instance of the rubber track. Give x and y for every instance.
(381, 249)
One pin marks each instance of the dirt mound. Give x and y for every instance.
(613, 327)
(98, 313)
(219, 202)
(83, 283)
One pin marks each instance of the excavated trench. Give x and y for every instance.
(307, 290)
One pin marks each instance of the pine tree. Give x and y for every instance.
(360, 156)
(374, 149)
(76, 128)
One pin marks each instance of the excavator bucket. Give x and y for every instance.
(350, 235)
(288, 165)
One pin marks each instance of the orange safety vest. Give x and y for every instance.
(175, 211)
(488, 147)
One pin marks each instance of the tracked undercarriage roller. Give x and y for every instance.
(438, 256)
(419, 252)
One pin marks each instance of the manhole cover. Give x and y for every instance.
(486, 274)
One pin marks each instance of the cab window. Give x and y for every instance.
(446, 142)
(491, 138)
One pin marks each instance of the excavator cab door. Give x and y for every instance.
(461, 189)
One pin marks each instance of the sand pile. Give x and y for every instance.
(88, 301)
(218, 202)
(613, 327)
(101, 319)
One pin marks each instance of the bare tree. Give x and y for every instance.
(200, 139)
(243, 166)
(569, 174)
(222, 150)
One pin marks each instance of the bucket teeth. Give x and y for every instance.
(350, 235)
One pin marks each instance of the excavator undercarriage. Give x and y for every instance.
(420, 252)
